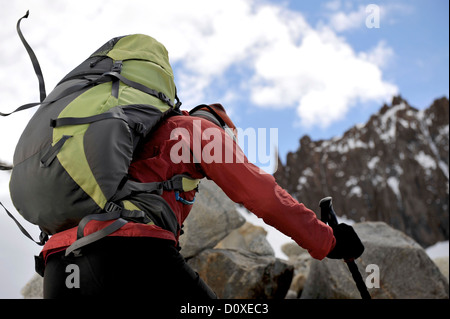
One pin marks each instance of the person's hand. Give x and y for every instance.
(348, 245)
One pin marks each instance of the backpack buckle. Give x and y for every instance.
(111, 207)
(168, 185)
(164, 98)
(117, 67)
(139, 128)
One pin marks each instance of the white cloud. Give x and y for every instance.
(322, 75)
(381, 55)
(343, 21)
(286, 62)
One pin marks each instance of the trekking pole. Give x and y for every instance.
(328, 216)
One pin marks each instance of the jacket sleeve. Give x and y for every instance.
(246, 184)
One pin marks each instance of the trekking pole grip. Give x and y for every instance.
(328, 216)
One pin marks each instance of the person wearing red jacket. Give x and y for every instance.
(143, 260)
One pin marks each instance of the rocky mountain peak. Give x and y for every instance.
(394, 168)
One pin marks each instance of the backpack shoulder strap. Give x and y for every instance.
(210, 114)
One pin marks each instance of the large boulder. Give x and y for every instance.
(301, 260)
(33, 288)
(393, 264)
(243, 275)
(442, 263)
(242, 264)
(212, 218)
(249, 238)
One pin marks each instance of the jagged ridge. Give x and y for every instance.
(394, 168)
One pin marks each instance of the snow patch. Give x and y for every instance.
(356, 191)
(426, 161)
(350, 144)
(404, 123)
(377, 180)
(439, 249)
(424, 124)
(302, 180)
(387, 130)
(373, 162)
(351, 181)
(394, 184)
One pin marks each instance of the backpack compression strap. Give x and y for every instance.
(34, 60)
(104, 78)
(141, 87)
(37, 70)
(85, 240)
(43, 237)
(178, 183)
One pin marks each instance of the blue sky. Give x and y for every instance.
(302, 67)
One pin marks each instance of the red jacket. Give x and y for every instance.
(242, 181)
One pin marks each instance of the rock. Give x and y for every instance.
(293, 250)
(405, 270)
(250, 238)
(291, 295)
(302, 265)
(301, 261)
(33, 289)
(243, 275)
(442, 263)
(212, 218)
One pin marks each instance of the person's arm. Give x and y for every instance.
(244, 183)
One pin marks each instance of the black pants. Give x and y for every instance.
(143, 268)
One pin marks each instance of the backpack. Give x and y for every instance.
(71, 163)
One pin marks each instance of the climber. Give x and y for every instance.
(143, 259)
(115, 226)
